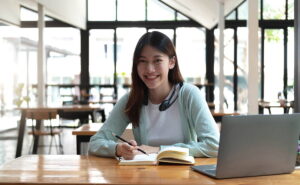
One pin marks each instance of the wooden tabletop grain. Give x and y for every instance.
(79, 170)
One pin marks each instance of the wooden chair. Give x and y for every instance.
(46, 130)
(82, 116)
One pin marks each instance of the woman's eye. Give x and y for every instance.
(158, 60)
(141, 61)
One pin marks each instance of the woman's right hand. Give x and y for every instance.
(127, 151)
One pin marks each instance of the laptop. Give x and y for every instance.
(254, 145)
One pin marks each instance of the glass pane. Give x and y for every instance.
(127, 39)
(9, 43)
(231, 16)
(28, 15)
(101, 56)
(101, 10)
(243, 11)
(274, 9)
(242, 70)
(63, 50)
(29, 38)
(159, 11)
(181, 17)
(290, 9)
(273, 64)
(131, 10)
(190, 46)
(228, 69)
(290, 67)
(67, 39)
(18, 67)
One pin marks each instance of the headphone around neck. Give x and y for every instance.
(168, 102)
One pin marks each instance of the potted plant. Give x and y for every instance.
(19, 98)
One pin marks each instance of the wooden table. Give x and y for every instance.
(114, 101)
(218, 115)
(79, 170)
(21, 128)
(84, 133)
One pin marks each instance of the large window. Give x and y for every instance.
(112, 45)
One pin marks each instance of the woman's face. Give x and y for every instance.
(153, 67)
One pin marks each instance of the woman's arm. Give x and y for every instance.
(103, 143)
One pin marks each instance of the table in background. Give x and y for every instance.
(78, 169)
(218, 115)
(84, 133)
(114, 101)
(268, 105)
(21, 127)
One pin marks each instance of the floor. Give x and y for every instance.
(8, 137)
(8, 144)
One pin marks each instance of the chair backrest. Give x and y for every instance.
(41, 114)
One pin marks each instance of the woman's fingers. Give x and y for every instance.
(127, 151)
(133, 142)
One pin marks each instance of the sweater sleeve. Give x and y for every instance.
(103, 143)
(203, 129)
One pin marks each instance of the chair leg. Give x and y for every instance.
(50, 146)
(60, 144)
(31, 146)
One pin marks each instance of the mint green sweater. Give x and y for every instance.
(200, 131)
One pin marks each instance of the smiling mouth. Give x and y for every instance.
(152, 77)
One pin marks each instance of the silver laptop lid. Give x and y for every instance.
(252, 145)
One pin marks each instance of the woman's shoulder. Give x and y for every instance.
(189, 88)
(123, 100)
(190, 92)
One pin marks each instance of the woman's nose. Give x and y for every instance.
(150, 67)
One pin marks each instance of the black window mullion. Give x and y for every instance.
(235, 75)
(115, 64)
(285, 72)
(146, 10)
(262, 63)
(116, 10)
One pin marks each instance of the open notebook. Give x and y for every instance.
(177, 155)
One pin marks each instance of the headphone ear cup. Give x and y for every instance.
(164, 105)
(145, 101)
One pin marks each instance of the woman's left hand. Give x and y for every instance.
(149, 149)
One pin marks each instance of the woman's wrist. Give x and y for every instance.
(116, 152)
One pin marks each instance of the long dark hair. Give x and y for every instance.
(139, 90)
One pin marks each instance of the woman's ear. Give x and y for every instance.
(172, 62)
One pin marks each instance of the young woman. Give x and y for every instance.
(162, 108)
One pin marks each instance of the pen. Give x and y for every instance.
(128, 143)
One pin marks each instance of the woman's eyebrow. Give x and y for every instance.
(155, 56)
